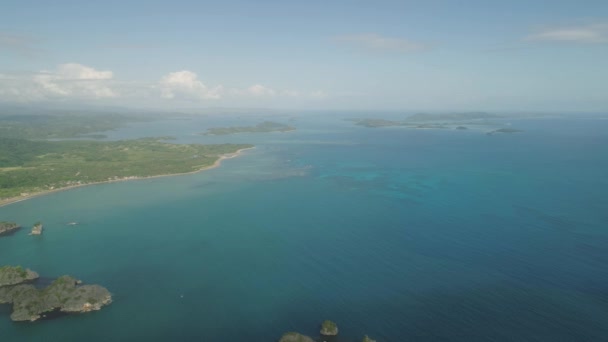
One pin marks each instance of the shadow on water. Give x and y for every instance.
(52, 315)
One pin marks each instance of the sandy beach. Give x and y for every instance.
(217, 163)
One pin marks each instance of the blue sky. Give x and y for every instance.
(387, 55)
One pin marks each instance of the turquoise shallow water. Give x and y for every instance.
(405, 235)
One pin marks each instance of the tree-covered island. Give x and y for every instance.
(328, 330)
(7, 228)
(64, 295)
(458, 121)
(264, 127)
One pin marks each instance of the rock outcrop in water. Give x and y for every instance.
(15, 275)
(329, 328)
(64, 295)
(295, 337)
(367, 339)
(37, 229)
(7, 228)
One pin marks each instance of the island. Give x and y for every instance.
(481, 121)
(7, 228)
(329, 328)
(29, 167)
(15, 275)
(295, 337)
(37, 229)
(504, 130)
(65, 295)
(264, 127)
(375, 123)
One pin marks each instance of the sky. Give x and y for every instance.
(517, 55)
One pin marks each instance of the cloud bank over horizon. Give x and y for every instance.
(73, 81)
(389, 55)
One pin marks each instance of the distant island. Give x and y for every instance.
(64, 295)
(7, 228)
(456, 121)
(264, 127)
(504, 130)
(29, 167)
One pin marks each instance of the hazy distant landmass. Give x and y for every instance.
(458, 121)
(46, 125)
(264, 127)
(504, 130)
(452, 116)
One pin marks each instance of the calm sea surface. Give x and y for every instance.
(405, 235)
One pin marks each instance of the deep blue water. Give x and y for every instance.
(405, 235)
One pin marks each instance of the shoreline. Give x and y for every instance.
(216, 164)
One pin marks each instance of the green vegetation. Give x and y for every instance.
(11, 275)
(30, 303)
(295, 337)
(264, 127)
(8, 227)
(62, 125)
(329, 328)
(32, 166)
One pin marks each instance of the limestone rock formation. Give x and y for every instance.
(63, 295)
(295, 337)
(37, 229)
(7, 228)
(329, 328)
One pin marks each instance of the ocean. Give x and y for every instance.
(400, 234)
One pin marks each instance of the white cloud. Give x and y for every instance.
(589, 34)
(186, 85)
(71, 81)
(73, 71)
(260, 90)
(372, 41)
(75, 80)
(78, 82)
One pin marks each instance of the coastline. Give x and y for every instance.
(216, 164)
